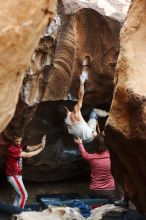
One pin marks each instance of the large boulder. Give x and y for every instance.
(126, 126)
(57, 213)
(21, 23)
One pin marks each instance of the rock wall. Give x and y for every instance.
(21, 24)
(126, 126)
(37, 74)
(65, 53)
(53, 74)
(102, 46)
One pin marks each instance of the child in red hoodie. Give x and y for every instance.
(16, 151)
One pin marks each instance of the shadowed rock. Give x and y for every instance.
(126, 126)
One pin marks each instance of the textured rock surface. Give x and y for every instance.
(108, 211)
(73, 42)
(103, 51)
(126, 127)
(57, 213)
(37, 74)
(21, 24)
(97, 213)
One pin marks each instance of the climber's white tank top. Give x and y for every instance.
(80, 129)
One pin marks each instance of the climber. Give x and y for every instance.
(74, 121)
(16, 151)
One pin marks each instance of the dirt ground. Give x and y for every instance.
(77, 185)
(67, 186)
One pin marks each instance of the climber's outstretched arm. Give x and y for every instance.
(81, 92)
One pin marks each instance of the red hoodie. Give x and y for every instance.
(14, 161)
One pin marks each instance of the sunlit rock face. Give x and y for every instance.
(126, 127)
(21, 23)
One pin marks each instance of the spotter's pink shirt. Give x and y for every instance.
(100, 164)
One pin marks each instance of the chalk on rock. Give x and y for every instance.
(101, 113)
